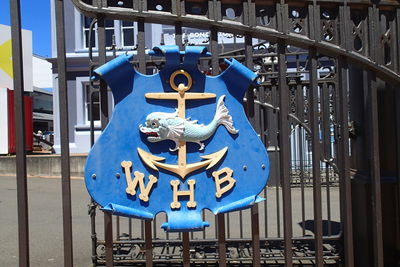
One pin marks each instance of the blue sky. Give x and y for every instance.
(35, 17)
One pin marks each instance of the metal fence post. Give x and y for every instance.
(19, 111)
(316, 161)
(284, 153)
(108, 228)
(344, 164)
(65, 164)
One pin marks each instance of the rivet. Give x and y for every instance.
(117, 175)
(263, 166)
(93, 176)
(244, 167)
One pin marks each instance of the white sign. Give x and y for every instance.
(202, 38)
(6, 70)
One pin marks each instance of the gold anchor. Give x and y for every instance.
(183, 168)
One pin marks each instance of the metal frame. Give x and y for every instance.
(271, 33)
(362, 33)
(22, 188)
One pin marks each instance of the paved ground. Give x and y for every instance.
(45, 220)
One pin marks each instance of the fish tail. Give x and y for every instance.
(222, 116)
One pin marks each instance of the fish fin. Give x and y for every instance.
(201, 145)
(222, 116)
(176, 146)
(175, 131)
(189, 120)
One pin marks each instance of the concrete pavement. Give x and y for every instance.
(45, 220)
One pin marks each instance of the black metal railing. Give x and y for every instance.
(302, 110)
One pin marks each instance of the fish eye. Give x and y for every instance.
(154, 124)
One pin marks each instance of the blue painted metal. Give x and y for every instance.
(246, 156)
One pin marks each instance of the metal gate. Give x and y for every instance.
(318, 110)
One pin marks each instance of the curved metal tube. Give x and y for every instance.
(261, 32)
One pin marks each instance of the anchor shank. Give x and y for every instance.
(182, 106)
(182, 155)
(180, 96)
(182, 144)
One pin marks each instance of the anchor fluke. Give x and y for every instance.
(181, 170)
(215, 157)
(149, 159)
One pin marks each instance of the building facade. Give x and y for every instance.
(122, 35)
(38, 92)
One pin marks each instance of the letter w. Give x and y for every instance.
(138, 179)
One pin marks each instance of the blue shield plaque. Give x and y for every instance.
(178, 142)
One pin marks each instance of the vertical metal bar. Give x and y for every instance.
(108, 232)
(284, 145)
(344, 162)
(397, 34)
(264, 122)
(178, 35)
(214, 51)
(130, 228)
(142, 69)
(266, 212)
(65, 163)
(155, 228)
(372, 111)
(303, 201)
(228, 223)
(255, 235)
(108, 236)
(373, 21)
(203, 215)
(141, 46)
(316, 152)
(255, 228)
(326, 133)
(284, 148)
(328, 199)
(167, 233)
(117, 219)
(19, 111)
(148, 243)
(92, 205)
(240, 224)
(117, 222)
(102, 60)
(300, 133)
(221, 240)
(397, 110)
(393, 42)
(91, 89)
(186, 249)
(220, 217)
(92, 214)
(274, 97)
(343, 142)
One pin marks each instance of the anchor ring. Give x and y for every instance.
(179, 88)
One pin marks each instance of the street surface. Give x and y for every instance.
(45, 220)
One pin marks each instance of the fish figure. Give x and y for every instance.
(168, 126)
